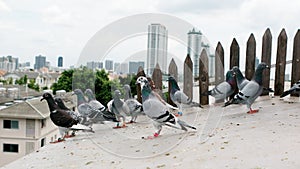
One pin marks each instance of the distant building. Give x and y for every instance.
(134, 66)
(109, 65)
(196, 44)
(124, 68)
(9, 63)
(157, 47)
(94, 65)
(60, 61)
(117, 68)
(194, 49)
(40, 61)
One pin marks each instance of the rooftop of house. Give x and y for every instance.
(31, 108)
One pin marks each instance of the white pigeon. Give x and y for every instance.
(251, 90)
(294, 89)
(119, 108)
(135, 107)
(157, 111)
(224, 89)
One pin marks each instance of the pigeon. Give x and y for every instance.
(59, 117)
(92, 100)
(242, 81)
(251, 90)
(294, 89)
(224, 89)
(179, 97)
(74, 114)
(119, 108)
(157, 111)
(93, 115)
(135, 107)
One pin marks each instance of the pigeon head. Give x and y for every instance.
(51, 103)
(142, 81)
(46, 96)
(238, 73)
(258, 72)
(117, 93)
(78, 92)
(80, 96)
(174, 83)
(230, 78)
(126, 87)
(60, 103)
(90, 94)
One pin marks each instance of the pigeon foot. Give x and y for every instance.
(57, 141)
(252, 111)
(69, 136)
(151, 137)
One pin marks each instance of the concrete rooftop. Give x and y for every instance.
(225, 138)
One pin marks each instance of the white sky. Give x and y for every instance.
(54, 27)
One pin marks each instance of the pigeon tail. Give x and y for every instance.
(184, 124)
(286, 93)
(207, 93)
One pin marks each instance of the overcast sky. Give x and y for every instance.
(52, 28)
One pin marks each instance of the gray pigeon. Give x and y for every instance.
(119, 108)
(240, 79)
(93, 115)
(157, 111)
(74, 114)
(294, 89)
(251, 90)
(224, 89)
(135, 107)
(92, 100)
(179, 97)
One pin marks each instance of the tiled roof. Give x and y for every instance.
(29, 109)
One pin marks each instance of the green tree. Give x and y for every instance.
(34, 86)
(64, 82)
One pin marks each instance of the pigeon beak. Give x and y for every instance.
(72, 93)
(42, 99)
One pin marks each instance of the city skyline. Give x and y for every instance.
(55, 28)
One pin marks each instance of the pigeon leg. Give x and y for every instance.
(252, 111)
(58, 140)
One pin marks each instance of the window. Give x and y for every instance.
(43, 142)
(14, 148)
(10, 124)
(43, 123)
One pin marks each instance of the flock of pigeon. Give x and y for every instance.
(90, 111)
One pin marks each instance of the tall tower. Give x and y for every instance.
(157, 47)
(194, 49)
(40, 61)
(60, 61)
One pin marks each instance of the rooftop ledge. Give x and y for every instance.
(225, 138)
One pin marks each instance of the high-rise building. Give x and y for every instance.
(157, 47)
(117, 67)
(134, 66)
(60, 61)
(109, 65)
(124, 68)
(40, 61)
(94, 65)
(9, 63)
(194, 49)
